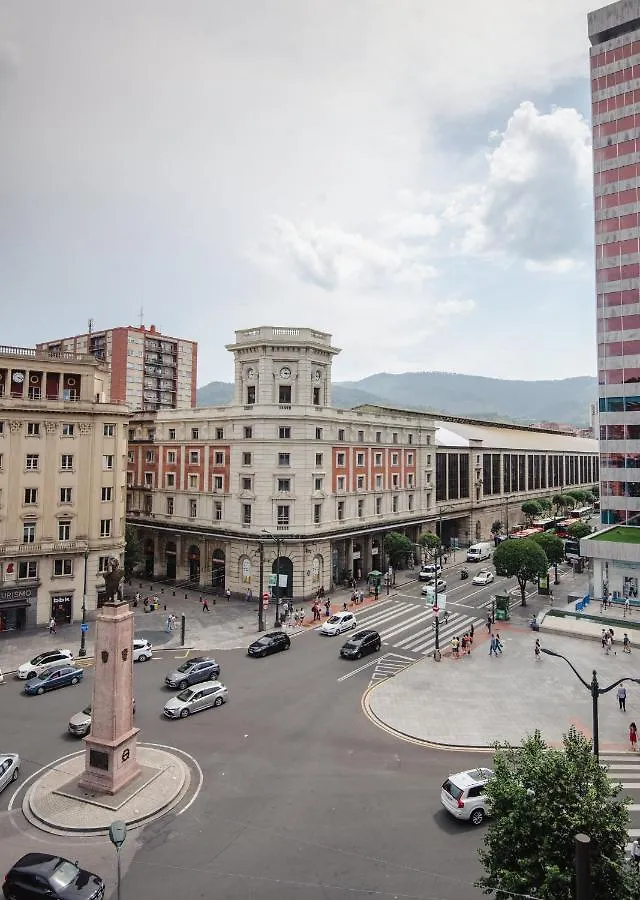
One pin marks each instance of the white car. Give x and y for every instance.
(9, 768)
(464, 796)
(338, 623)
(429, 571)
(431, 586)
(142, 650)
(43, 662)
(484, 576)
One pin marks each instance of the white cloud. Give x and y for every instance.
(534, 205)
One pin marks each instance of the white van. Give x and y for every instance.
(478, 552)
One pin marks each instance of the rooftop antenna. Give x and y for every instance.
(90, 327)
(141, 314)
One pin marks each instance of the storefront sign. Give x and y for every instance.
(16, 594)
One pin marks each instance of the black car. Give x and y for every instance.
(39, 875)
(270, 643)
(361, 643)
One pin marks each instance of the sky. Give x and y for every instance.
(411, 176)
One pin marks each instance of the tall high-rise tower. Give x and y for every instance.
(614, 32)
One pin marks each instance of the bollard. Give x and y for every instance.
(183, 626)
(186, 597)
(174, 593)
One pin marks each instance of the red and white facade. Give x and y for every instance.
(614, 32)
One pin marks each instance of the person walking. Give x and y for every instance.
(463, 644)
(603, 639)
(454, 647)
(361, 596)
(52, 625)
(626, 643)
(492, 647)
(622, 698)
(471, 633)
(633, 735)
(489, 624)
(626, 607)
(205, 605)
(468, 644)
(327, 607)
(608, 644)
(498, 643)
(537, 648)
(228, 594)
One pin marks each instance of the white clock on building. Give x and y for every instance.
(18, 377)
(251, 373)
(285, 372)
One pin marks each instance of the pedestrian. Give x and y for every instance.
(376, 591)
(633, 735)
(536, 649)
(361, 596)
(626, 607)
(471, 633)
(454, 646)
(302, 615)
(489, 623)
(626, 643)
(492, 647)
(52, 625)
(297, 617)
(228, 594)
(168, 624)
(327, 608)
(622, 698)
(603, 639)
(463, 644)
(205, 605)
(608, 644)
(498, 643)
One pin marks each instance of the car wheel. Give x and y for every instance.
(16, 772)
(218, 701)
(183, 685)
(477, 817)
(40, 690)
(378, 645)
(142, 658)
(358, 655)
(184, 713)
(75, 680)
(213, 676)
(31, 675)
(354, 624)
(262, 654)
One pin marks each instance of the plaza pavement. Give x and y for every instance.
(471, 702)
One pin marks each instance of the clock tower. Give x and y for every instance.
(282, 367)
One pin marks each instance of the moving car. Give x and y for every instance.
(9, 768)
(142, 650)
(196, 698)
(484, 576)
(431, 585)
(55, 678)
(429, 570)
(80, 723)
(193, 671)
(38, 875)
(338, 623)
(361, 643)
(273, 642)
(44, 661)
(463, 795)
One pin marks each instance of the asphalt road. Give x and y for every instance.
(302, 797)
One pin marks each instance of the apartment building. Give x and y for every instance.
(323, 486)
(149, 370)
(62, 484)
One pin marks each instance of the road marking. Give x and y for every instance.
(403, 626)
(374, 662)
(390, 666)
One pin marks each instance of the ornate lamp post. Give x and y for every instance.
(83, 627)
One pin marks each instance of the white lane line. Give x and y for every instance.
(408, 623)
(431, 629)
(368, 665)
(387, 615)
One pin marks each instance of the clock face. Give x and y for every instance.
(285, 372)
(18, 377)
(251, 373)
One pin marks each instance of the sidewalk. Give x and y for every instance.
(471, 702)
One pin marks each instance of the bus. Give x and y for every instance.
(581, 512)
(544, 524)
(562, 528)
(572, 550)
(526, 532)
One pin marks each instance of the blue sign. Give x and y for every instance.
(84, 628)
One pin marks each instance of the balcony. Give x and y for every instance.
(42, 548)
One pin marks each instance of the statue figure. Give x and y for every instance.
(112, 578)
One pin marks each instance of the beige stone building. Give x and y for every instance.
(62, 484)
(281, 467)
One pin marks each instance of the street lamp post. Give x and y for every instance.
(261, 598)
(83, 627)
(278, 541)
(595, 690)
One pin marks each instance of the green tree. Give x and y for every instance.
(545, 503)
(132, 551)
(398, 548)
(523, 559)
(578, 530)
(589, 497)
(540, 799)
(553, 549)
(531, 509)
(496, 528)
(558, 502)
(578, 495)
(430, 542)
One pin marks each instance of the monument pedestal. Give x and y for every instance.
(110, 756)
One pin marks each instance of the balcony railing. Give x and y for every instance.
(42, 547)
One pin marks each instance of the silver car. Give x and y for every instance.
(196, 698)
(80, 723)
(9, 768)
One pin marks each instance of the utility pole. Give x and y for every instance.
(583, 867)
(260, 598)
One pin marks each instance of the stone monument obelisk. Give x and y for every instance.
(110, 755)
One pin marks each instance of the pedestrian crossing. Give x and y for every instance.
(408, 627)
(625, 768)
(388, 665)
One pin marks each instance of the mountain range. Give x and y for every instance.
(566, 400)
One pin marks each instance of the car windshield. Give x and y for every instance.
(262, 642)
(38, 659)
(184, 667)
(186, 695)
(452, 789)
(333, 620)
(65, 873)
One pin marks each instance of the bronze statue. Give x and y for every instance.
(112, 578)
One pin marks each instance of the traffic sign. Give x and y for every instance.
(84, 627)
(265, 598)
(273, 580)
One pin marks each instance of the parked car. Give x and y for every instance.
(431, 585)
(80, 723)
(193, 671)
(9, 768)
(195, 699)
(142, 650)
(44, 661)
(464, 796)
(361, 643)
(273, 642)
(38, 875)
(54, 678)
(338, 623)
(484, 576)
(429, 570)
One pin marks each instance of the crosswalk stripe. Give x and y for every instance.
(453, 617)
(408, 623)
(387, 614)
(444, 637)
